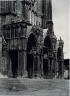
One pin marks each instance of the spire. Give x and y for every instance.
(49, 9)
(49, 22)
(47, 13)
(60, 37)
(61, 42)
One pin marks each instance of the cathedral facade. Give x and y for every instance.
(26, 51)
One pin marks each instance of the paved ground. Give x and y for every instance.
(38, 87)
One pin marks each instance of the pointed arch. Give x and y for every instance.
(47, 42)
(30, 58)
(31, 42)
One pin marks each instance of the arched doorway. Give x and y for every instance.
(31, 44)
(14, 62)
(47, 60)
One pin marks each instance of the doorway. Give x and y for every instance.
(14, 61)
(30, 59)
(45, 67)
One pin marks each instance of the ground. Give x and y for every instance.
(37, 87)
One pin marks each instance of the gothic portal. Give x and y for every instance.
(26, 50)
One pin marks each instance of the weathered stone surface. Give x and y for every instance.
(25, 51)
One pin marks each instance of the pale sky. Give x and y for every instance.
(61, 22)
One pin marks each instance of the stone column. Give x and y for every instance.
(18, 64)
(10, 67)
(42, 65)
(52, 65)
(48, 64)
(62, 70)
(38, 66)
(55, 66)
(31, 17)
(21, 63)
(13, 37)
(10, 37)
(25, 64)
(33, 65)
(34, 60)
(35, 19)
(57, 69)
(49, 67)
